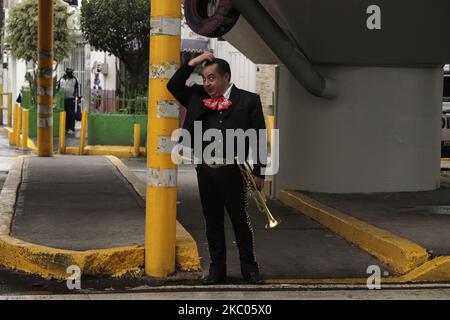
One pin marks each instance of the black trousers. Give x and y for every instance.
(69, 107)
(219, 189)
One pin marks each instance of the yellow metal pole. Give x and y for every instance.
(13, 136)
(45, 78)
(10, 107)
(84, 118)
(62, 133)
(18, 127)
(1, 104)
(137, 140)
(270, 122)
(25, 125)
(163, 116)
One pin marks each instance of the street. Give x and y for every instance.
(272, 293)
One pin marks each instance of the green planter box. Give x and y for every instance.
(26, 98)
(32, 126)
(115, 129)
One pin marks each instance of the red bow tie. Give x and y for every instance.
(219, 103)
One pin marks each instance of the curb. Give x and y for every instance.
(9, 134)
(402, 255)
(436, 270)
(48, 262)
(53, 263)
(117, 151)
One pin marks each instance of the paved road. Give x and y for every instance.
(435, 292)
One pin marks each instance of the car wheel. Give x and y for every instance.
(210, 18)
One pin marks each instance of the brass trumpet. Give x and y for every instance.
(257, 195)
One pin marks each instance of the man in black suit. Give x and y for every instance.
(220, 105)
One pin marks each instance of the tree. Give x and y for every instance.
(121, 28)
(22, 30)
(22, 36)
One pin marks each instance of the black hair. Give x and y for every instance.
(223, 67)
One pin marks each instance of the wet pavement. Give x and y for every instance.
(17, 283)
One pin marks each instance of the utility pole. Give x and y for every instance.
(45, 78)
(2, 25)
(163, 117)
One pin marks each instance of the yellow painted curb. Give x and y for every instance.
(31, 145)
(10, 134)
(402, 255)
(187, 258)
(436, 270)
(53, 263)
(117, 151)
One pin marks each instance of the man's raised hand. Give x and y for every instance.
(207, 56)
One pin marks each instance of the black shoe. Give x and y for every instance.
(253, 278)
(214, 278)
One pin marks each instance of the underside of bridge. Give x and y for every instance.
(380, 130)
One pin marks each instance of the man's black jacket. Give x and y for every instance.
(245, 113)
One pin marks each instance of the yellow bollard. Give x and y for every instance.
(45, 78)
(10, 109)
(18, 127)
(13, 136)
(270, 123)
(1, 104)
(137, 140)
(160, 235)
(84, 119)
(62, 133)
(25, 126)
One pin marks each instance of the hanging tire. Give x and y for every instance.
(214, 25)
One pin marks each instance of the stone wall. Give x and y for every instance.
(265, 86)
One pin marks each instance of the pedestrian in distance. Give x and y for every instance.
(69, 84)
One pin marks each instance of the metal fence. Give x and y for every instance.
(109, 101)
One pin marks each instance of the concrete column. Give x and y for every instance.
(382, 134)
